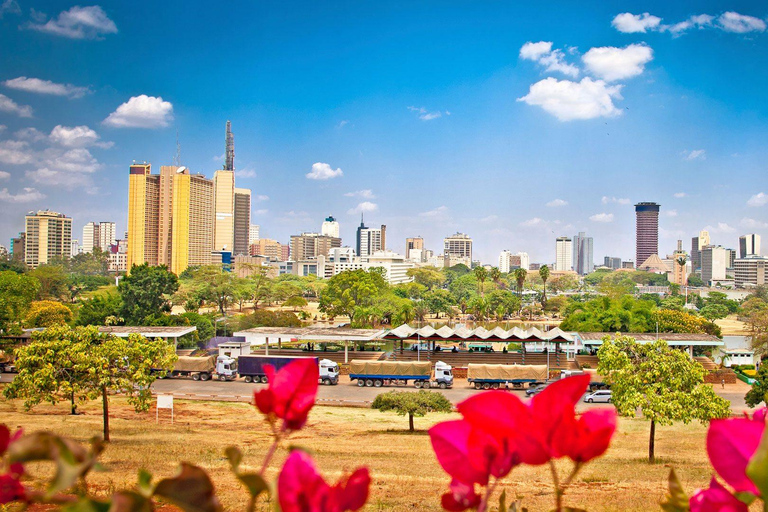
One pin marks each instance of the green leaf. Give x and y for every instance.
(145, 483)
(88, 505)
(757, 469)
(254, 482)
(191, 490)
(503, 501)
(235, 457)
(676, 499)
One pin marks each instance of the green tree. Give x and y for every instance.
(96, 310)
(495, 275)
(53, 281)
(695, 281)
(413, 404)
(351, 289)
(714, 311)
(296, 302)
(47, 313)
(463, 287)
(439, 301)
(481, 274)
(17, 291)
(479, 307)
(94, 263)
(758, 330)
(544, 274)
(520, 275)
(759, 390)
(664, 383)
(146, 291)
(429, 277)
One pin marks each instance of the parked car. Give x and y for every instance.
(535, 390)
(601, 396)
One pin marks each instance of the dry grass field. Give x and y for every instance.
(406, 476)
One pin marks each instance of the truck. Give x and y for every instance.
(495, 376)
(205, 368)
(252, 368)
(398, 373)
(595, 379)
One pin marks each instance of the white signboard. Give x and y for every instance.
(164, 402)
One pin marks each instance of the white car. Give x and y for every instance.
(603, 395)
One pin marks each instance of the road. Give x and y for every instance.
(348, 393)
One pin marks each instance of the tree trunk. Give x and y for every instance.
(105, 408)
(72, 401)
(410, 421)
(652, 443)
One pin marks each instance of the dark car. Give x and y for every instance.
(535, 390)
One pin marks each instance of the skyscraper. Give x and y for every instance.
(563, 254)
(749, 245)
(90, 237)
(458, 245)
(48, 236)
(224, 207)
(697, 244)
(583, 259)
(106, 235)
(714, 260)
(330, 227)
(143, 215)
(646, 231)
(192, 222)
(370, 240)
(242, 223)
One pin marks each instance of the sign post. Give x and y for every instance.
(164, 402)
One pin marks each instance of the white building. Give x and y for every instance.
(253, 234)
(330, 227)
(395, 266)
(563, 254)
(76, 249)
(714, 261)
(504, 263)
(107, 235)
(458, 246)
(749, 245)
(90, 237)
(751, 271)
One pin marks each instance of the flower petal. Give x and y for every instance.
(731, 443)
(450, 441)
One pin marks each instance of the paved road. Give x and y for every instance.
(348, 393)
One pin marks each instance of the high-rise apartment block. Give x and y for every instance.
(583, 258)
(751, 271)
(330, 227)
(48, 237)
(242, 221)
(192, 222)
(749, 245)
(369, 240)
(107, 235)
(646, 231)
(253, 234)
(458, 247)
(509, 261)
(307, 246)
(90, 237)
(611, 262)
(697, 244)
(272, 249)
(18, 245)
(563, 254)
(714, 261)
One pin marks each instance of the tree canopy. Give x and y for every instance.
(413, 404)
(145, 292)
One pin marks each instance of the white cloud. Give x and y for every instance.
(68, 180)
(490, 218)
(696, 21)
(696, 154)
(632, 23)
(14, 152)
(734, 22)
(759, 199)
(141, 112)
(536, 221)
(611, 63)
(29, 194)
(568, 100)
(3, 128)
(261, 212)
(365, 206)
(9, 7)
(552, 60)
(440, 211)
(321, 171)
(617, 200)
(680, 195)
(244, 173)
(89, 22)
(39, 86)
(4, 175)
(670, 213)
(557, 202)
(601, 217)
(752, 223)
(721, 227)
(424, 115)
(10, 106)
(342, 123)
(30, 134)
(76, 137)
(365, 194)
(261, 198)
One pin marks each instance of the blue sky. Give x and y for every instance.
(512, 123)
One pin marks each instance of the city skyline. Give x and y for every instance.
(433, 126)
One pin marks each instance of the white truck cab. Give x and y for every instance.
(443, 375)
(329, 372)
(226, 368)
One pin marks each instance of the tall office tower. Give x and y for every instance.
(90, 237)
(165, 213)
(458, 245)
(307, 246)
(242, 221)
(192, 220)
(583, 259)
(646, 231)
(49, 236)
(330, 227)
(563, 254)
(107, 236)
(143, 215)
(520, 260)
(369, 240)
(76, 249)
(253, 234)
(697, 244)
(413, 243)
(224, 206)
(714, 260)
(229, 149)
(504, 261)
(749, 245)
(611, 262)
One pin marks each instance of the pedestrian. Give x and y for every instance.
(723, 383)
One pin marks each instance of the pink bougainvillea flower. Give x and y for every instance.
(291, 393)
(731, 443)
(586, 437)
(11, 489)
(715, 499)
(300, 488)
(460, 497)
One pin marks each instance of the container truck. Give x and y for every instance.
(205, 368)
(385, 373)
(595, 379)
(494, 376)
(252, 368)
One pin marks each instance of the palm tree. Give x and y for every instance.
(544, 274)
(420, 311)
(495, 275)
(481, 274)
(520, 275)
